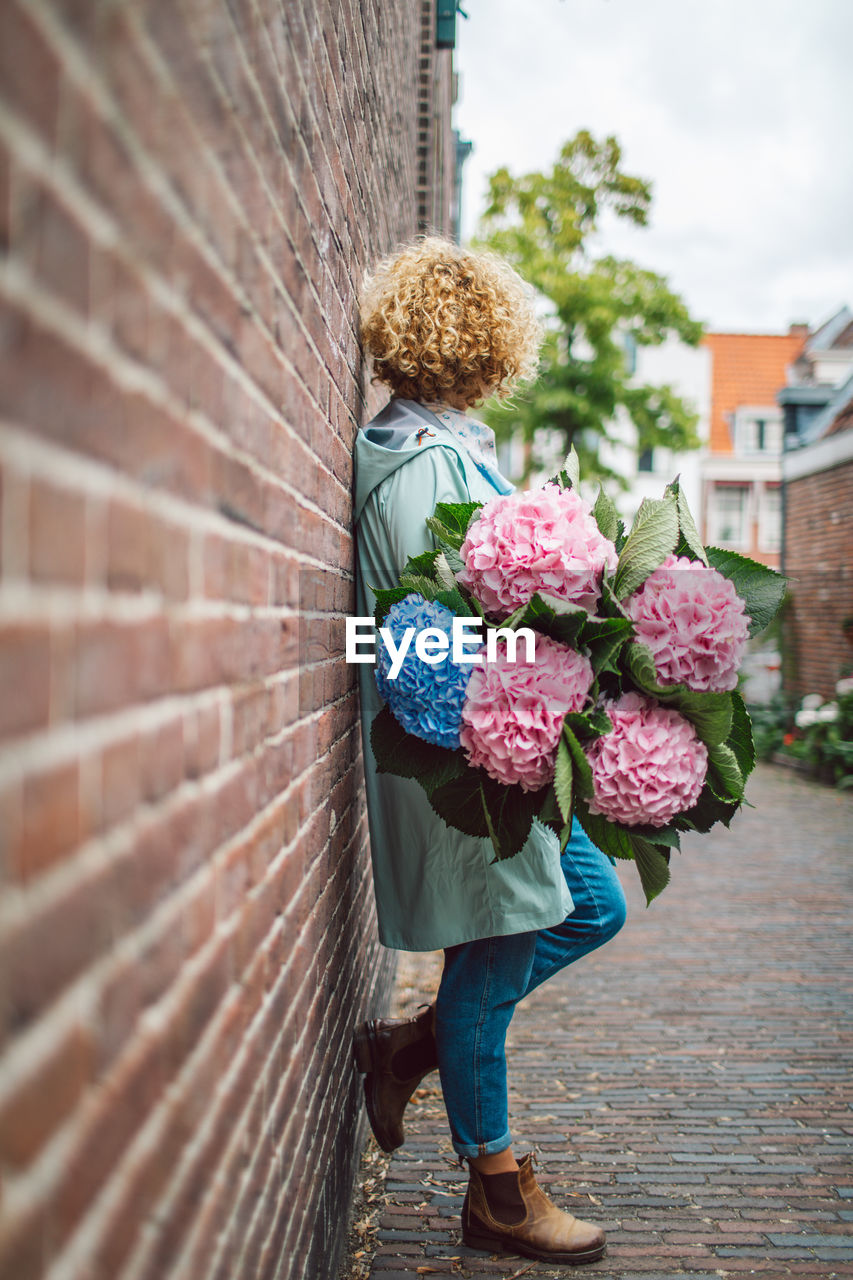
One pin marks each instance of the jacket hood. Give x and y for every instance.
(391, 439)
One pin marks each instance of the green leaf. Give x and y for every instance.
(653, 866)
(549, 813)
(724, 775)
(556, 618)
(709, 713)
(669, 836)
(760, 588)
(606, 836)
(385, 598)
(557, 606)
(454, 561)
(450, 520)
(443, 571)
(740, 735)
(455, 602)
(563, 781)
(610, 605)
(689, 534)
(509, 813)
(707, 811)
(418, 585)
(588, 724)
(604, 639)
(653, 536)
(478, 806)
(572, 467)
(606, 515)
(642, 669)
(447, 538)
(619, 842)
(398, 752)
(423, 565)
(459, 803)
(582, 769)
(650, 509)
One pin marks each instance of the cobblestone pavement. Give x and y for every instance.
(688, 1086)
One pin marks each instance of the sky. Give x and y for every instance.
(739, 112)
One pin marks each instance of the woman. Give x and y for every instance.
(446, 328)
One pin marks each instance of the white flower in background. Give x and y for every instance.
(806, 718)
(815, 711)
(844, 686)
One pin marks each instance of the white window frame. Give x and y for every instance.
(745, 418)
(769, 525)
(715, 521)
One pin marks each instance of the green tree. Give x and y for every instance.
(542, 222)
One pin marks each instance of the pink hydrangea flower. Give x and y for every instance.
(539, 540)
(649, 767)
(513, 712)
(694, 623)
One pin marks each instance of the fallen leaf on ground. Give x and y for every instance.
(522, 1272)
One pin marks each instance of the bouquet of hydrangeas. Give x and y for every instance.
(625, 715)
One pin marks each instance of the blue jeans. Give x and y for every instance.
(483, 981)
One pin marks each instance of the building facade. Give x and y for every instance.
(741, 506)
(817, 477)
(687, 370)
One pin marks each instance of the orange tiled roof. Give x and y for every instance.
(746, 368)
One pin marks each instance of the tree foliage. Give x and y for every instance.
(543, 222)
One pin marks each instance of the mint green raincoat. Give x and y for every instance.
(434, 886)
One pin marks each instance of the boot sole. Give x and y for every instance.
(506, 1244)
(363, 1057)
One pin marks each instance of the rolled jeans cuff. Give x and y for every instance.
(483, 1148)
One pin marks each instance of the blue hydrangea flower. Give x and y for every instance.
(425, 698)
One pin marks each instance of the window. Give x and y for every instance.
(727, 515)
(758, 431)
(770, 518)
(646, 460)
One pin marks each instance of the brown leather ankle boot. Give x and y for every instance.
(510, 1213)
(396, 1054)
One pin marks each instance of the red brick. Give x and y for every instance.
(51, 825)
(162, 760)
(818, 537)
(29, 70)
(201, 741)
(48, 237)
(25, 656)
(57, 534)
(32, 1113)
(120, 780)
(24, 1244)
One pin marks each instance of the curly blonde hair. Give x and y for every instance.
(441, 321)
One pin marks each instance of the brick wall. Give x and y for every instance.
(819, 563)
(189, 190)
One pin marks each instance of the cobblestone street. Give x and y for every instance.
(689, 1086)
